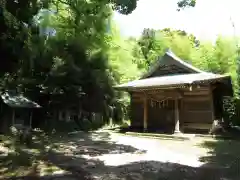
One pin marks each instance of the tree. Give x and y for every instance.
(237, 76)
(18, 27)
(186, 3)
(16, 20)
(153, 44)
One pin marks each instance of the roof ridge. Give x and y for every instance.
(169, 53)
(176, 58)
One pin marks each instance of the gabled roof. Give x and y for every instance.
(171, 59)
(190, 75)
(18, 100)
(166, 81)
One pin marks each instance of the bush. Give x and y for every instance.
(231, 107)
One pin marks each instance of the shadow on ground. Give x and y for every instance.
(223, 154)
(67, 152)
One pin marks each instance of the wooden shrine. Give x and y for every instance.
(176, 97)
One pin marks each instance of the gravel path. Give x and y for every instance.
(155, 150)
(114, 156)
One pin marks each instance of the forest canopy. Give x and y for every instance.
(75, 48)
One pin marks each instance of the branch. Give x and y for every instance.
(185, 3)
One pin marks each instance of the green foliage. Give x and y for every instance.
(83, 61)
(230, 105)
(186, 3)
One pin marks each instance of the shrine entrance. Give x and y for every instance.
(162, 115)
(156, 110)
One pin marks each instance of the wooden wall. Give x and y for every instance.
(136, 113)
(196, 110)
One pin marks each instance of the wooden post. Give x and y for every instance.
(145, 112)
(30, 120)
(212, 103)
(177, 123)
(13, 117)
(190, 88)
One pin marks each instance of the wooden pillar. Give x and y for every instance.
(145, 112)
(13, 117)
(212, 103)
(176, 112)
(30, 120)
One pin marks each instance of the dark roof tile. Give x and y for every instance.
(18, 101)
(172, 80)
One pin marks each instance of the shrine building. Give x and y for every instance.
(173, 96)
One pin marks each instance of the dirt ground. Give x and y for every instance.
(104, 155)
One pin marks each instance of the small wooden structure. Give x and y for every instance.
(174, 96)
(15, 109)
